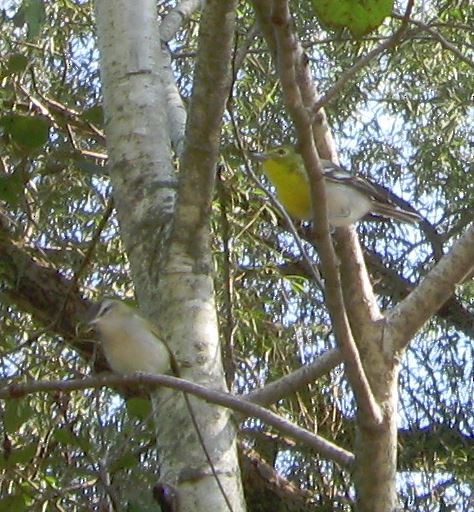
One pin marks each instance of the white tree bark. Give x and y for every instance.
(187, 282)
(136, 92)
(136, 125)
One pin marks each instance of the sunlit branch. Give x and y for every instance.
(435, 289)
(285, 39)
(244, 407)
(296, 380)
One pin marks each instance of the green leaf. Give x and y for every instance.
(14, 502)
(29, 132)
(17, 412)
(16, 64)
(11, 188)
(359, 16)
(139, 408)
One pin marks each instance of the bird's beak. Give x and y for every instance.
(257, 156)
(85, 327)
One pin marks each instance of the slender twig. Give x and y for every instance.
(242, 50)
(441, 39)
(65, 110)
(278, 206)
(348, 75)
(87, 257)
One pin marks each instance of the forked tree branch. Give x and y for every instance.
(286, 43)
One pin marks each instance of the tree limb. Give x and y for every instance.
(436, 288)
(317, 443)
(296, 380)
(286, 43)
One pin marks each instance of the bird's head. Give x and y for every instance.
(108, 310)
(281, 154)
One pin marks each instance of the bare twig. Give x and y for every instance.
(348, 75)
(85, 260)
(442, 40)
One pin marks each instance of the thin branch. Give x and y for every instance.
(274, 201)
(175, 18)
(348, 75)
(285, 39)
(287, 220)
(243, 49)
(436, 288)
(323, 136)
(88, 255)
(442, 40)
(51, 107)
(317, 443)
(295, 381)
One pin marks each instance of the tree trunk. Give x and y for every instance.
(144, 189)
(376, 449)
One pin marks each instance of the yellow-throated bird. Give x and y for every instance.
(349, 197)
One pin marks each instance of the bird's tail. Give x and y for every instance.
(394, 212)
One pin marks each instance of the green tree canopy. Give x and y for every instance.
(400, 115)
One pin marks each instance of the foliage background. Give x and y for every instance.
(404, 122)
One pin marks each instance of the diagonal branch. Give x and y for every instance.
(317, 443)
(391, 284)
(437, 287)
(442, 40)
(353, 71)
(323, 136)
(298, 379)
(285, 38)
(177, 16)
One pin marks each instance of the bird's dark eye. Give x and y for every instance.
(282, 151)
(104, 308)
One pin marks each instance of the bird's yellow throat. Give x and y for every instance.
(291, 184)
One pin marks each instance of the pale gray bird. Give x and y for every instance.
(130, 342)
